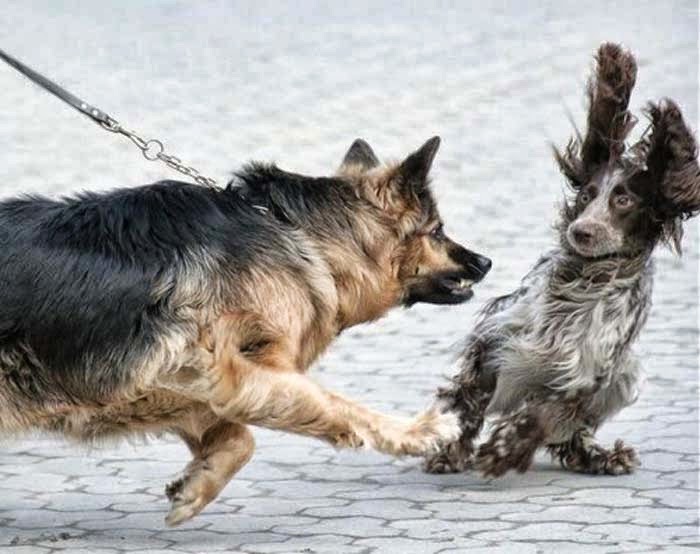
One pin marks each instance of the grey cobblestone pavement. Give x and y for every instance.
(224, 83)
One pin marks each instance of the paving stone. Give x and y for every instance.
(570, 547)
(677, 498)
(350, 526)
(445, 530)
(573, 514)
(412, 546)
(266, 506)
(28, 550)
(296, 83)
(659, 461)
(645, 534)
(655, 515)
(471, 510)
(322, 544)
(201, 540)
(131, 540)
(539, 531)
(235, 523)
(508, 548)
(605, 496)
(378, 508)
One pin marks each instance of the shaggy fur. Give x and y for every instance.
(552, 361)
(175, 308)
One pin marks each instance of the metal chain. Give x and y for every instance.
(153, 150)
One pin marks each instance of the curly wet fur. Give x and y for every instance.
(555, 354)
(552, 361)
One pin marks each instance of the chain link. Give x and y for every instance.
(153, 149)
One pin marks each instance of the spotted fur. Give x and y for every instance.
(553, 361)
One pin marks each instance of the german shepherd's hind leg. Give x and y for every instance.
(220, 452)
(468, 396)
(583, 455)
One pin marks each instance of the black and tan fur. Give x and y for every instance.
(553, 360)
(176, 308)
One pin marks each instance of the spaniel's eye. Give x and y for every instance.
(438, 232)
(623, 201)
(584, 198)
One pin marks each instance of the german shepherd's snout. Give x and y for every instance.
(435, 269)
(451, 286)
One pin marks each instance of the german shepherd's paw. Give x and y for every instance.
(189, 495)
(430, 431)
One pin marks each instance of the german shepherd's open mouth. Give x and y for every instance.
(451, 287)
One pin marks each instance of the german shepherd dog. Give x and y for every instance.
(196, 311)
(553, 360)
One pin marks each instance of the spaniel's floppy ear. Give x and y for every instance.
(671, 176)
(359, 155)
(672, 160)
(609, 121)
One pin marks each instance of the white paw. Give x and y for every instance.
(430, 431)
(447, 426)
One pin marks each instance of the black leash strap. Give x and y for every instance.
(152, 149)
(93, 113)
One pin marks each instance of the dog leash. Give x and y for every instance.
(152, 149)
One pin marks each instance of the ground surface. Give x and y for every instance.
(296, 85)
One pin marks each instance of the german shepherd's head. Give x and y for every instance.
(428, 266)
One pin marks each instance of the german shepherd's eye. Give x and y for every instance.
(438, 233)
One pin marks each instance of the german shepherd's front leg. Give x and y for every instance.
(292, 402)
(262, 387)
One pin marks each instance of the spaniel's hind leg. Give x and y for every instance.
(218, 453)
(582, 454)
(468, 396)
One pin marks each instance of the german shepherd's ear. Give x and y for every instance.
(413, 171)
(609, 121)
(399, 187)
(360, 154)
